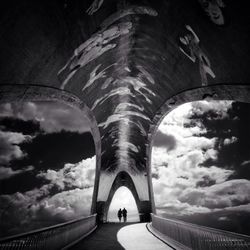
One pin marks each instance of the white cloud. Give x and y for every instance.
(40, 207)
(220, 108)
(182, 184)
(222, 195)
(9, 149)
(67, 205)
(52, 116)
(80, 175)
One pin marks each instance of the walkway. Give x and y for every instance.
(124, 236)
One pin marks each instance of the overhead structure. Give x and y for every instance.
(127, 60)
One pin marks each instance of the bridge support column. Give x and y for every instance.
(123, 178)
(145, 209)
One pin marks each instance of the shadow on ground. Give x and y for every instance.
(103, 238)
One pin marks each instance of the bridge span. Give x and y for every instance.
(121, 236)
(85, 234)
(126, 64)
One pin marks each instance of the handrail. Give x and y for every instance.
(53, 237)
(199, 237)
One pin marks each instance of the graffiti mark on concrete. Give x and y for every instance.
(129, 145)
(190, 46)
(132, 10)
(95, 6)
(91, 49)
(213, 9)
(125, 105)
(95, 76)
(116, 117)
(118, 91)
(107, 82)
(139, 86)
(144, 73)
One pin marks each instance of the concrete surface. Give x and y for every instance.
(121, 236)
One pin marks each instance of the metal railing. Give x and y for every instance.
(51, 238)
(199, 237)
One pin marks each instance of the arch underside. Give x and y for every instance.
(124, 179)
(127, 61)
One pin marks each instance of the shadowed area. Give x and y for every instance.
(126, 61)
(120, 236)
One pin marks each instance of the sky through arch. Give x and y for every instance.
(123, 198)
(201, 165)
(47, 165)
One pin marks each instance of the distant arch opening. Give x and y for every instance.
(123, 198)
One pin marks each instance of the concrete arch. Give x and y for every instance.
(123, 179)
(235, 92)
(25, 93)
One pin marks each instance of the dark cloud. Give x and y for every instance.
(47, 151)
(7, 172)
(29, 127)
(47, 169)
(52, 151)
(205, 182)
(232, 129)
(165, 141)
(21, 182)
(216, 192)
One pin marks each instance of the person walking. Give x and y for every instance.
(119, 214)
(124, 214)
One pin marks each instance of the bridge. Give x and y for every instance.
(125, 64)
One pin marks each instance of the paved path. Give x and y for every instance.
(121, 236)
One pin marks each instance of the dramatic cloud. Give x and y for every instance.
(80, 175)
(223, 195)
(67, 195)
(183, 181)
(52, 116)
(218, 109)
(9, 149)
(47, 167)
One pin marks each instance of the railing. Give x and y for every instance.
(198, 237)
(56, 237)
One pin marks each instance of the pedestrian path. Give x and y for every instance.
(121, 236)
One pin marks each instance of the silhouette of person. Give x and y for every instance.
(124, 214)
(119, 214)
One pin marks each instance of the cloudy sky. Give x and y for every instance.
(201, 163)
(200, 168)
(47, 165)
